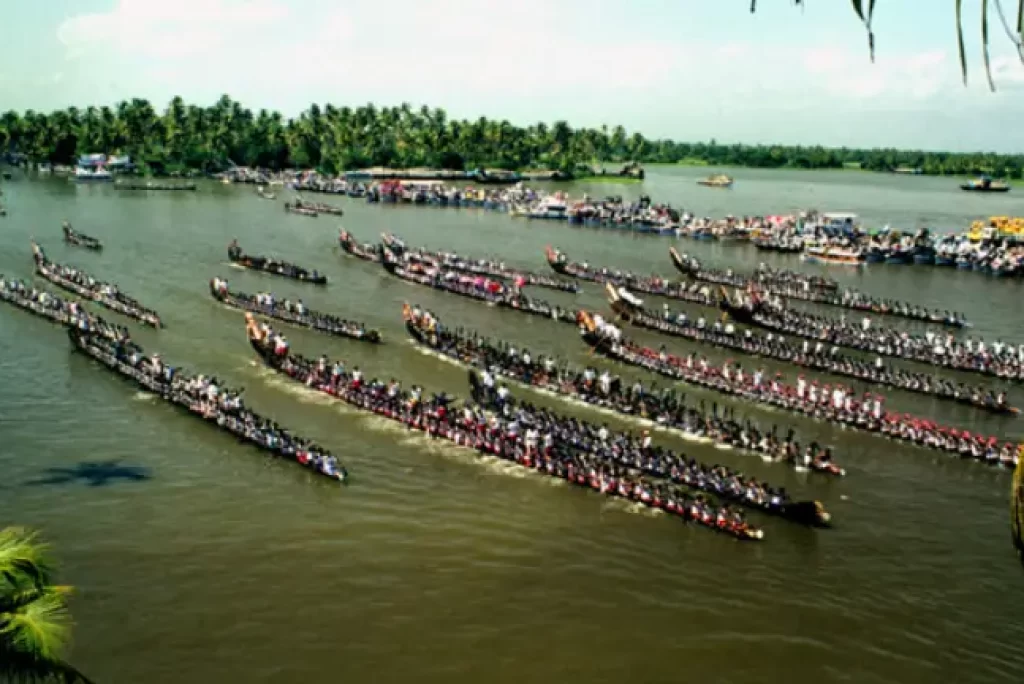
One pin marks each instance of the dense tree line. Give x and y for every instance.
(190, 137)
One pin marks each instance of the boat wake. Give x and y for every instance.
(411, 438)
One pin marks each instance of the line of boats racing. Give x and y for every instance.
(618, 464)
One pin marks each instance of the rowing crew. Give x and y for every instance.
(663, 408)
(208, 397)
(998, 358)
(807, 398)
(818, 356)
(476, 266)
(57, 309)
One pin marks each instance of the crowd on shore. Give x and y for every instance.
(990, 250)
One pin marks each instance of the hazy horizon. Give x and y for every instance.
(688, 71)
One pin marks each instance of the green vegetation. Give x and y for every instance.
(192, 138)
(33, 613)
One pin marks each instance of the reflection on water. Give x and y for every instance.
(204, 561)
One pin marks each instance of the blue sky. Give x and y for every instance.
(685, 69)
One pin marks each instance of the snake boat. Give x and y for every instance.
(84, 285)
(833, 404)
(274, 266)
(366, 251)
(294, 313)
(73, 237)
(476, 266)
(480, 288)
(660, 410)
(489, 434)
(938, 350)
(201, 397)
(816, 356)
(695, 293)
(56, 309)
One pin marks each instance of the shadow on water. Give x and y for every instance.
(93, 474)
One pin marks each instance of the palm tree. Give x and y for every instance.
(33, 613)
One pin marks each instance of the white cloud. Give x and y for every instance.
(168, 30)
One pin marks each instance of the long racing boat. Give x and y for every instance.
(653, 409)
(274, 266)
(654, 481)
(200, 396)
(84, 285)
(476, 266)
(56, 309)
(941, 351)
(366, 251)
(650, 285)
(73, 237)
(480, 288)
(817, 356)
(834, 404)
(294, 313)
(814, 290)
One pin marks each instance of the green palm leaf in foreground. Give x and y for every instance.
(34, 619)
(865, 10)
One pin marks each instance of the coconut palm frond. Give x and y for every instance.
(23, 557)
(984, 44)
(19, 667)
(1016, 35)
(38, 627)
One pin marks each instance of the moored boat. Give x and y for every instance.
(295, 313)
(274, 266)
(200, 396)
(985, 184)
(833, 256)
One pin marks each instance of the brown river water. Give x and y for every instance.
(200, 560)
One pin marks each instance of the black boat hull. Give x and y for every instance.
(235, 302)
(259, 264)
